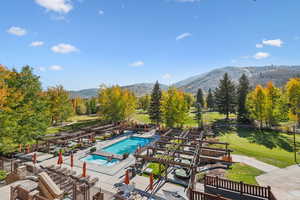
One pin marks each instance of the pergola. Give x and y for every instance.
(188, 144)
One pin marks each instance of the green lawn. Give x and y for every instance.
(270, 147)
(243, 172)
(208, 118)
(141, 117)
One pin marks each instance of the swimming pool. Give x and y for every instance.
(128, 145)
(99, 160)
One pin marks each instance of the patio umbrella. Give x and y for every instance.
(126, 181)
(20, 148)
(84, 170)
(60, 158)
(28, 148)
(151, 181)
(34, 158)
(72, 160)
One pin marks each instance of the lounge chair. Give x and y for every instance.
(182, 173)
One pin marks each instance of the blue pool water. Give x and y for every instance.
(128, 145)
(99, 160)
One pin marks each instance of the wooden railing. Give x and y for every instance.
(195, 195)
(240, 187)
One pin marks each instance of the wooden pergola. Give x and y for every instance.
(187, 144)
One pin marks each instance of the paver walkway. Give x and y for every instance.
(254, 163)
(285, 182)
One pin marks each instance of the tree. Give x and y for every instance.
(155, 104)
(60, 104)
(199, 98)
(174, 107)
(116, 104)
(210, 102)
(242, 92)
(198, 115)
(293, 95)
(272, 104)
(256, 104)
(26, 115)
(190, 100)
(144, 102)
(93, 105)
(225, 96)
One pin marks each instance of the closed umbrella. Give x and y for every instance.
(28, 148)
(20, 148)
(151, 181)
(72, 160)
(60, 158)
(34, 158)
(84, 170)
(126, 181)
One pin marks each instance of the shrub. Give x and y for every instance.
(3, 175)
(200, 176)
(93, 149)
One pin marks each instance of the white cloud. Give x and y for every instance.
(167, 76)
(60, 6)
(64, 48)
(37, 43)
(261, 55)
(259, 46)
(101, 12)
(56, 67)
(137, 64)
(183, 35)
(275, 43)
(18, 31)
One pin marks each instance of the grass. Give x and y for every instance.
(3, 175)
(243, 172)
(79, 122)
(269, 146)
(141, 117)
(208, 118)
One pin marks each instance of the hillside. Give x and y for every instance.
(139, 89)
(257, 75)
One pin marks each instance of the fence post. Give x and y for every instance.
(217, 182)
(269, 192)
(241, 187)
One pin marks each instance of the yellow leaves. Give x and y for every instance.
(293, 94)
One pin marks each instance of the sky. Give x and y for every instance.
(84, 43)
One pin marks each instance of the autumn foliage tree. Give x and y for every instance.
(293, 96)
(60, 104)
(116, 104)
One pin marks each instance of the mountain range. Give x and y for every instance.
(257, 75)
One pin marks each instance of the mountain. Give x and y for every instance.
(257, 75)
(139, 89)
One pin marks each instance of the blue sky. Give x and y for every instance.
(84, 43)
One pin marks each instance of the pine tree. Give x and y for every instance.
(242, 92)
(199, 98)
(155, 104)
(198, 115)
(225, 96)
(210, 101)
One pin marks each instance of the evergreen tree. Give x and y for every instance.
(155, 104)
(210, 101)
(199, 98)
(225, 96)
(242, 92)
(198, 115)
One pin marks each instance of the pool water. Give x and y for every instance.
(99, 160)
(128, 145)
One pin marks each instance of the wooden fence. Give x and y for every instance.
(195, 195)
(240, 187)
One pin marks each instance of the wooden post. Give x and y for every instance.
(241, 187)
(269, 192)
(217, 182)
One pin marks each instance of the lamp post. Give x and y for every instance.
(295, 146)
